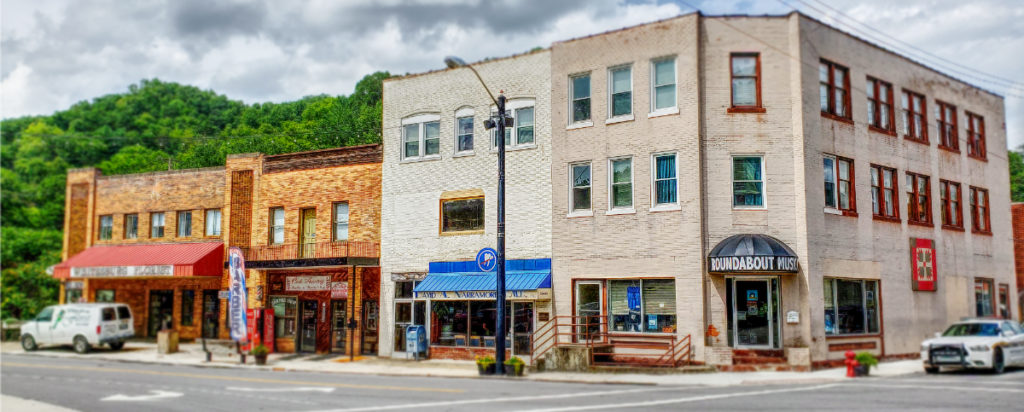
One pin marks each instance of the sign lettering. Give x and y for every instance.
(239, 296)
(307, 283)
(339, 290)
(122, 271)
(538, 294)
(752, 264)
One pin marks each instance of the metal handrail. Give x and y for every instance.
(291, 251)
(546, 337)
(678, 350)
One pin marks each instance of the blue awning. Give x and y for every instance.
(521, 275)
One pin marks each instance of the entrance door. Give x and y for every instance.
(753, 314)
(307, 327)
(161, 310)
(370, 313)
(339, 321)
(307, 248)
(588, 308)
(522, 328)
(211, 309)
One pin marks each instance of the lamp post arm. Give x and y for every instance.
(483, 84)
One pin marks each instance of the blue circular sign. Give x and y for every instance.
(487, 259)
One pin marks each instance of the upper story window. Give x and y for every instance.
(213, 222)
(106, 227)
(131, 226)
(884, 196)
(621, 183)
(620, 91)
(276, 225)
(880, 108)
(746, 80)
(919, 194)
(663, 84)
(156, 225)
(184, 223)
(666, 181)
(976, 136)
(945, 117)
(340, 221)
(979, 211)
(421, 136)
(839, 187)
(915, 123)
(579, 90)
(748, 182)
(522, 127)
(952, 213)
(462, 215)
(834, 89)
(579, 175)
(464, 131)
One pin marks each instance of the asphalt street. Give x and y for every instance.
(94, 385)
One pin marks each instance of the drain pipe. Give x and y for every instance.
(702, 158)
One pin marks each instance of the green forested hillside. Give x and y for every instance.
(152, 125)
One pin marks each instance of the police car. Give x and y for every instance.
(992, 344)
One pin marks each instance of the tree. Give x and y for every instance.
(135, 159)
(1016, 160)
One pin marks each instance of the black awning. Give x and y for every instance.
(752, 253)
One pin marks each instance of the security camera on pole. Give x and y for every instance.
(499, 121)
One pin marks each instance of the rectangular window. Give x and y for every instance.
(642, 305)
(431, 138)
(880, 108)
(952, 212)
(663, 84)
(976, 136)
(524, 126)
(286, 310)
(462, 215)
(276, 225)
(884, 196)
(451, 319)
(746, 81)
(464, 134)
(104, 295)
(213, 222)
(915, 123)
(979, 211)
(839, 187)
(131, 226)
(188, 307)
(411, 140)
(1004, 301)
(106, 227)
(156, 225)
(747, 182)
(184, 223)
(621, 183)
(421, 139)
(341, 221)
(579, 89)
(851, 306)
(984, 301)
(834, 89)
(666, 183)
(620, 91)
(580, 175)
(945, 117)
(918, 198)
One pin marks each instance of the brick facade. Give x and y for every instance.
(1017, 216)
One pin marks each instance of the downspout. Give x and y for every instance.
(701, 136)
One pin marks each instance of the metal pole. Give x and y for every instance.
(499, 338)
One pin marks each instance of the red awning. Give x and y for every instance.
(175, 259)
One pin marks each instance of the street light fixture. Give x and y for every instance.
(499, 121)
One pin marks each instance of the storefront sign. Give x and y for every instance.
(239, 296)
(307, 283)
(339, 290)
(487, 259)
(122, 271)
(792, 317)
(74, 285)
(753, 264)
(922, 264)
(224, 294)
(484, 294)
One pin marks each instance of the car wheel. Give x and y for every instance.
(81, 345)
(28, 343)
(998, 363)
(931, 370)
(116, 345)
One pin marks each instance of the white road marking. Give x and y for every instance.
(508, 399)
(963, 381)
(154, 395)
(683, 400)
(299, 389)
(942, 388)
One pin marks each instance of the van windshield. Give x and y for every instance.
(46, 315)
(123, 312)
(109, 314)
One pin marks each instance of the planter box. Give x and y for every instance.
(485, 370)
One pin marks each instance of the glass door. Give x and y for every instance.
(161, 310)
(308, 242)
(753, 310)
(339, 320)
(370, 313)
(307, 325)
(522, 328)
(588, 309)
(211, 309)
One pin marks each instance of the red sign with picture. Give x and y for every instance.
(268, 329)
(922, 264)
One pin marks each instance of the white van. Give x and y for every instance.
(81, 325)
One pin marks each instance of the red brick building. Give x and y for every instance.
(1017, 214)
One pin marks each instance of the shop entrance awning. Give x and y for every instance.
(177, 259)
(524, 279)
(756, 253)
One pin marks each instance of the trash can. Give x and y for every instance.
(167, 341)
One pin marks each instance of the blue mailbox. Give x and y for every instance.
(416, 340)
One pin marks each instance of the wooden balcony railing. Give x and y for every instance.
(322, 250)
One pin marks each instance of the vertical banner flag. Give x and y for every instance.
(922, 264)
(239, 295)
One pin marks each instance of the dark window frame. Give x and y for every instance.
(757, 107)
(947, 204)
(109, 233)
(948, 141)
(441, 218)
(135, 232)
(876, 126)
(977, 211)
(912, 134)
(188, 311)
(177, 224)
(976, 144)
(830, 112)
(851, 181)
(914, 215)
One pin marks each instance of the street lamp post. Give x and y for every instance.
(499, 123)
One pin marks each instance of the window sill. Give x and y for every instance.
(949, 149)
(923, 141)
(752, 208)
(580, 125)
(619, 119)
(462, 233)
(982, 232)
(745, 109)
(515, 148)
(622, 211)
(882, 131)
(953, 228)
(890, 219)
(463, 154)
(670, 207)
(837, 118)
(663, 112)
(922, 224)
(581, 213)
(855, 335)
(979, 158)
(420, 159)
(839, 212)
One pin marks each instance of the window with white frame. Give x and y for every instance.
(156, 225)
(276, 225)
(620, 91)
(340, 221)
(106, 227)
(579, 91)
(666, 181)
(620, 180)
(464, 131)
(213, 222)
(580, 179)
(184, 223)
(748, 182)
(421, 136)
(663, 84)
(522, 126)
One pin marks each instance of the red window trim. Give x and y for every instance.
(876, 83)
(831, 112)
(995, 296)
(757, 108)
(1003, 289)
(914, 216)
(910, 117)
(941, 121)
(947, 204)
(971, 133)
(852, 210)
(881, 194)
(975, 212)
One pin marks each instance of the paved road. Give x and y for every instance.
(93, 385)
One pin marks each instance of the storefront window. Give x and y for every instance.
(407, 311)
(642, 305)
(983, 297)
(105, 295)
(449, 323)
(851, 306)
(188, 307)
(72, 295)
(285, 311)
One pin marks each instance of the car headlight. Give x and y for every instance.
(980, 348)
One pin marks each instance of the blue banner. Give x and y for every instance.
(239, 295)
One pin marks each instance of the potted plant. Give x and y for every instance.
(260, 353)
(514, 366)
(485, 365)
(865, 360)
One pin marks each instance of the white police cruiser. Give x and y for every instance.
(975, 344)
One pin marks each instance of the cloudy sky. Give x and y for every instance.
(56, 53)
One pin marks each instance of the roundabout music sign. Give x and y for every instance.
(786, 264)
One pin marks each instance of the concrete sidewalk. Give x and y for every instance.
(191, 354)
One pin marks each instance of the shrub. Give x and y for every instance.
(867, 359)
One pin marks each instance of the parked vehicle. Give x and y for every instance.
(82, 325)
(976, 344)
